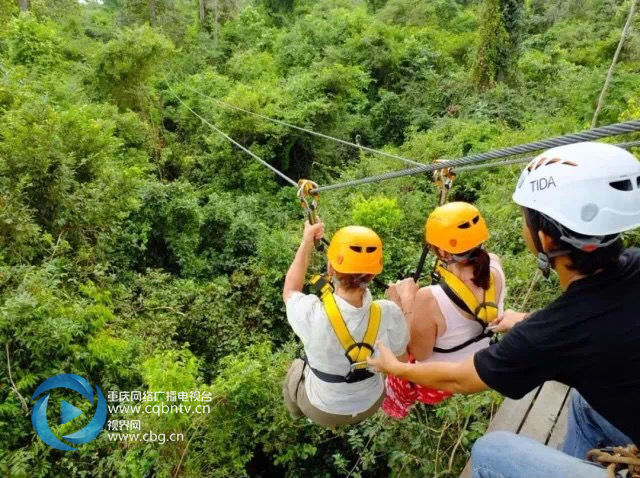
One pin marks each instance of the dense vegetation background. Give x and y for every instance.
(139, 249)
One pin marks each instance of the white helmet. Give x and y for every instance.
(589, 188)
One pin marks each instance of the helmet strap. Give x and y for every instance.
(544, 259)
(465, 257)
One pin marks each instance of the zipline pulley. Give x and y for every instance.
(309, 202)
(443, 179)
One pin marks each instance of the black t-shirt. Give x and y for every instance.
(589, 339)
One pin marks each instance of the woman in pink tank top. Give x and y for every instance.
(448, 319)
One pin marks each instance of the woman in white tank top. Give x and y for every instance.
(448, 320)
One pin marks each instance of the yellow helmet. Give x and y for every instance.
(355, 250)
(456, 227)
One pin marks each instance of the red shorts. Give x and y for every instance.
(402, 394)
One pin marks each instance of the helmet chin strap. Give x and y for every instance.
(458, 258)
(544, 259)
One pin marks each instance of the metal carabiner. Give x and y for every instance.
(354, 365)
(309, 202)
(443, 179)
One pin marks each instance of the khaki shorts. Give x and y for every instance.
(297, 402)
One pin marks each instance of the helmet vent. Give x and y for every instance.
(533, 165)
(464, 225)
(476, 219)
(623, 185)
(368, 249)
(638, 181)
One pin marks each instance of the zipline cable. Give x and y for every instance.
(305, 130)
(233, 141)
(596, 133)
(508, 162)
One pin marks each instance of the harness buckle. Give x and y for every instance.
(321, 283)
(357, 374)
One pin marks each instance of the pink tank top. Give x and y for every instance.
(460, 328)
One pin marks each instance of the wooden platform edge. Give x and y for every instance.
(541, 414)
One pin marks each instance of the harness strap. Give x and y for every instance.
(462, 296)
(454, 297)
(352, 377)
(369, 339)
(355, 352)
(473, 340)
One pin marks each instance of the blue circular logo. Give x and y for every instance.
(67, 411)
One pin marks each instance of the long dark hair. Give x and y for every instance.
(480, 260)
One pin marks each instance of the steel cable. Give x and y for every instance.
(233, 141)
(596, 133)
(306, 130)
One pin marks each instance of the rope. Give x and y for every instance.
(508, 162)
(305, 130)
(233, 141)
(616, 458)
(596, 133)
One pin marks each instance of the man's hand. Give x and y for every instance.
(384, 360)
(312, 232)
(507, 320)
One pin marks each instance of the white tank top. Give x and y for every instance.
(460, 328)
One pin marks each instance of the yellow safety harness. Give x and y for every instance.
(461, 295)
(355, 352)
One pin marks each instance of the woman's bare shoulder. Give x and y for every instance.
(496, 258)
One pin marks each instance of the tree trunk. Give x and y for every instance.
(24, 5)
(215, 25)
(201, 13)
(607, 81)
(152, 13)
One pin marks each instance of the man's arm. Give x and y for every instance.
(456, 377)
(294, 282)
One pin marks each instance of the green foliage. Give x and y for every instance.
(498, 41)
(138, 248)
(33, 43)
(8, 8)
(63, 173)
(380, 213)
(126, 65)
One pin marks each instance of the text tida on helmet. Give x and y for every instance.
(592, 189)
(456, 228)
(355, 250)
